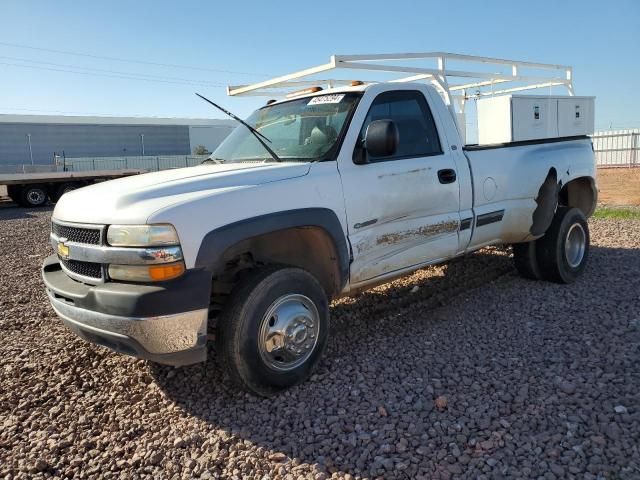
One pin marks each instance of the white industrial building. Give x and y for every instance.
(35, 139)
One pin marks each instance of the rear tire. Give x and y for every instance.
(564, 249)
(62, 189)
(33, 196)
(525, 258)
(273, 329)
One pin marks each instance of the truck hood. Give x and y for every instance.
(133, 199)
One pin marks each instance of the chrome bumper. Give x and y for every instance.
(177, 339)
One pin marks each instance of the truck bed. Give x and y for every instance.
(512, 179)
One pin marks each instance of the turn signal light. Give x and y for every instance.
(159, 273)
(146, 273)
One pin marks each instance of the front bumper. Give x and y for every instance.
(164, 322)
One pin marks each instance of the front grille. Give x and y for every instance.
(86, 269)
(76, 234)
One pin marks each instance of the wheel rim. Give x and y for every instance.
(575, 245)
(288, 332)
(35, 197)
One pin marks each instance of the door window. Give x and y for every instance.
(411, 114)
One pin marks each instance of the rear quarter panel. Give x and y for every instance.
(509, 178)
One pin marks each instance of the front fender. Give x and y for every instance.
(215, 243)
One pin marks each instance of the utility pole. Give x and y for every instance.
(142, 142)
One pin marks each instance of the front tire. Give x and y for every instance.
(273, 329)
(564, 249)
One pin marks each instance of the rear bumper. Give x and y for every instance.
(165, 323)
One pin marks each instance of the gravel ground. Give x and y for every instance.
(463, 370)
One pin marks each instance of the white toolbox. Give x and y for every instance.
(515, 118)
(575, 116)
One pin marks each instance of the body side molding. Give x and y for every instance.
(491, 217)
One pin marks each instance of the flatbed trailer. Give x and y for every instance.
(35, 189)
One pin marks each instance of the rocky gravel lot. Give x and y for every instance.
(462, 370)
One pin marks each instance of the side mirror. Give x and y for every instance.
(381, 138)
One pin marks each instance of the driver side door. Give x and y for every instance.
(402, 210)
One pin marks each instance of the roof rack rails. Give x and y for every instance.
(453, 85)
(439, 75)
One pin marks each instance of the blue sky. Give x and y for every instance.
(244, 42)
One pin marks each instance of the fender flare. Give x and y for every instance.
(547, 201)
(218, 241)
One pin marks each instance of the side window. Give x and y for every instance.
(410, 112)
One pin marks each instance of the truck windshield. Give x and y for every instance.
(304, 129)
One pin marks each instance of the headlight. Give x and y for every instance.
(142, 235)
(164, 261)
(146, 273)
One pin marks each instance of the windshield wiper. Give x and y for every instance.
(255, 132)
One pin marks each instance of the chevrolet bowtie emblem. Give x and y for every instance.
(63, 250)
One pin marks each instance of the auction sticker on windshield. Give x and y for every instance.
(326, 99)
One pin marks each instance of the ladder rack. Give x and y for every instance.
(439, 74)
(478, 77)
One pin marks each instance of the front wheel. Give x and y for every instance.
(564, 249)
(273, 330)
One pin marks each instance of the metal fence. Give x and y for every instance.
(83, 164)
(29, 168)
(149, 163)
(613, 148)
(617, 148)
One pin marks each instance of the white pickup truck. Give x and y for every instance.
(359, 184)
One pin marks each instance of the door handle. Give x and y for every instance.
(448, 175)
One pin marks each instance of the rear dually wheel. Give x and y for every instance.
(564, 250)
